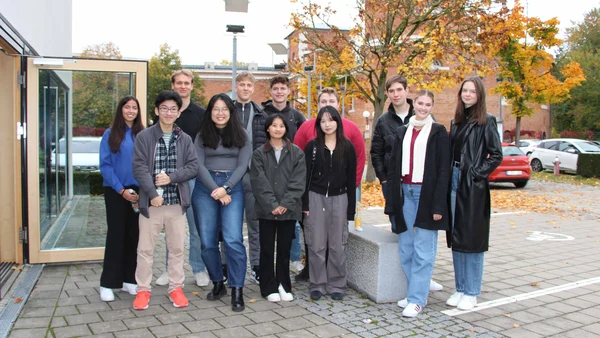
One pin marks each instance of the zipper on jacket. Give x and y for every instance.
(330, 168)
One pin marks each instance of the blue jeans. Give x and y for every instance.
(418, 248)
(468, 267)
(296, 247)
(195, 257)
(208, 212)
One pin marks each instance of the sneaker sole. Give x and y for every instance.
(129, 292)
(139, 309)
(178, 306)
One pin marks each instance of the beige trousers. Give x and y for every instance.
(173, 219)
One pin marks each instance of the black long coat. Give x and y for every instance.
(434, 191)
(481, 153)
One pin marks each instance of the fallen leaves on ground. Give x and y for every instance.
(19, 300)
(548, 176)
(371, 195)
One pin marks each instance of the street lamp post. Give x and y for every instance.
(366, 114)
(308, 69)
(234, 29)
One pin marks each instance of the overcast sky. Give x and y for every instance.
(197, 27)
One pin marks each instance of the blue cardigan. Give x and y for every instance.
(116, 169)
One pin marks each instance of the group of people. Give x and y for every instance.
(208, 167)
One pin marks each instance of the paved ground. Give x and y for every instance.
(541, 279)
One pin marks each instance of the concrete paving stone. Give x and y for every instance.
(36, 312)
(172, 309)
(39, 294)
(205, 313)
(520, 333)
(141, 322)
(205, 334)
(65, 310)
(263, 316)
(84, 292)
(106, 327)
(58, 322)
(291, 312)
(262, 306)
(292, 324)
(233, 321)
(48, 287)
(150, 311)
(85, 318)
(580, 318)
(238, 332)
(72, 331)
(580, 303)
(75, 279)
(593, 328)
(33, 323)
(120, 304)
(543, 329)
(327, 330)
(169, 330)
(526, 316)
(227, 311)
(205, 304)
(594, 312)
(99, 306)
(28, 333)
(51, 280)
(202, 325)
(139, 333)
(35, 303)
(577, 333)
(562, 307)
(171, 318)
(116, 314)
(87, 284)
(267, 328)
(73, 301)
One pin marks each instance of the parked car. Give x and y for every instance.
(527, 146)
(514, 167)
(85, 153)
(566, 150)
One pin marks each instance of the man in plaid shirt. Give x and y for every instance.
(164, 160)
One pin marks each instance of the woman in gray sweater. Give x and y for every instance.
(278, 177)
(223, 150)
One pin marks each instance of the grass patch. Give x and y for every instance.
(548, 176)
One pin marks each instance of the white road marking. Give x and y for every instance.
(548, 236)
(524, 296)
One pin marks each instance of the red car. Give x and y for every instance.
(514, 167)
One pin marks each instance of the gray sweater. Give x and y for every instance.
(222, 159)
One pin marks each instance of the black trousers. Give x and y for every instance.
(284, 231)
(120, 252)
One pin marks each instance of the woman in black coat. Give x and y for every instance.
(419, 171)
(476, 152)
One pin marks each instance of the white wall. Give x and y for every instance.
(45, 24)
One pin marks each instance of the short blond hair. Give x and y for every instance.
(245, 75)
(185, 72)
(328, 90)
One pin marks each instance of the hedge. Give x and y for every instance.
(84, 182)
(588, 165)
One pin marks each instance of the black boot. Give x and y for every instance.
(237, 299)
(217, 292)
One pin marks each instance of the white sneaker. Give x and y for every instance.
(202, 278)
(297, 266)
(454, 299)
(467, 303)
(274, 297)
(129, 288)
(106, 294)
(403, 303)
(435, 286)
(285, 296)
(163, 279)
(412, 310)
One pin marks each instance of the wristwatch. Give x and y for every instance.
(227, 188)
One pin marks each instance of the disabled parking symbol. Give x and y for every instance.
(539, 236)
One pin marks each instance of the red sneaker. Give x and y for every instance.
(178, 298)
(141, 300)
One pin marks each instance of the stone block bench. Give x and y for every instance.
(373, 264)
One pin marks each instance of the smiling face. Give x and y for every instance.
(468, 94)
(280, 92)
(183, 85)
(328, 125)
(244, 90)
(167, 112)
(277, 129)
(220, 114)
(130, 112)
(423, 107)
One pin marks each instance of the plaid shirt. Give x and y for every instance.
(166, 160)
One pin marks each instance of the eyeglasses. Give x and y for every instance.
(223, 110)
(165, 109)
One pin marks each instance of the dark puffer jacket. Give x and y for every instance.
(259, 136)
(293, 117)
(383, 139)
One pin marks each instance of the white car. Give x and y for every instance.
(566, 150)
(527, 146)
(85, 151)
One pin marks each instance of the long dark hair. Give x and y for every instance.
(117, 131)
(232, 135)
(478, 110)
(341, 142)
(269, 122)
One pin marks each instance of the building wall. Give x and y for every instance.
(46, 25)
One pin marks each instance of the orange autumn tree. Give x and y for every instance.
(526, 65)
(434, 43)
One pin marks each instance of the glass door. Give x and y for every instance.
(70, 103)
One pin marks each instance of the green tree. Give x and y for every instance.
(582, 111)
(226, 62)
(160, 68)
(96, 94)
